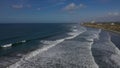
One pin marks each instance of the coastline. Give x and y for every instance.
(115, 35)
(111, 28)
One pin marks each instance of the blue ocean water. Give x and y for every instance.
(16, 34)
(24, 37)
(51, 45)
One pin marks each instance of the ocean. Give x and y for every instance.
(53, 45)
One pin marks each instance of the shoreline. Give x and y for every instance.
(108, 27)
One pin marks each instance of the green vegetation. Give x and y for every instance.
(115, 27)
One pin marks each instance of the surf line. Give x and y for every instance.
(38, 51)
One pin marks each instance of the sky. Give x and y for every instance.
(51, 11)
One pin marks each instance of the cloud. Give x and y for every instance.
(113, 13)
(111, 16)
(82, 6)
(104, 1)
(20, 6)
(28, 6)
(70, 7)
(17, 6)
(73, 6)
(38, 8)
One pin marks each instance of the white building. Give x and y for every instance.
(112, 23)
(92, 21)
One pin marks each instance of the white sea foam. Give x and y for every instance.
(74, 26)
(90, 36)
(6, 45)
(70, 53)
(73, 35)
(46, 47)
(9, 45)
(91, 40)
(23, 41)
(34, 53)
(49, 42)
(110, 54)
(115, 57)
(75, 32)
(110, 49)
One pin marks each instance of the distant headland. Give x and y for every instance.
(110, 26)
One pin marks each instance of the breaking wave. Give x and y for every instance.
(6, 45)
(83, 48)
(47, 44)
(106, 54)
(12, 44)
